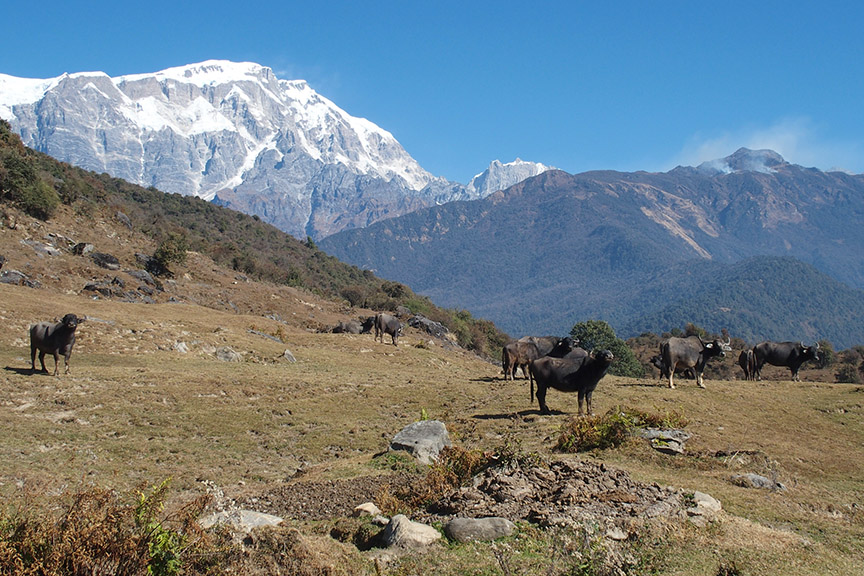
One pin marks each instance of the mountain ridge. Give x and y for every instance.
(618, 246)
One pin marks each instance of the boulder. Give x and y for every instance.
(106, 261)
(483, 529)
(424, 439)
(240, 520)
(705, 509)
(82, 248)
(17, 278)
(228, 354)
(366, 509)
(401, 532)
(751, 480)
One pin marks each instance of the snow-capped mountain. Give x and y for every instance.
(236, 134)
(501, 176)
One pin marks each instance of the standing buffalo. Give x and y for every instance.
(387, 324)
(569, 375)
(748, 364)
(690, 352)
(657, 362)
(54, 339)
(789, 354)
(522, 352)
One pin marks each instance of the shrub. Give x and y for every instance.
(597, 334)
(613, 428)
(582, 434)
(96, 533)
(847, 373)
(172, 250)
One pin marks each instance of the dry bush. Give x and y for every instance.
(613, 428)
(94, 532)
(455, 466)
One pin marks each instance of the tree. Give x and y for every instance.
(172, 250)
(598, 335)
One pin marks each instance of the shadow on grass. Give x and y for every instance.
(520, 414)
(25, 371)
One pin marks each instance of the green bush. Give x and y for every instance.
(599, 335)
(172, 250)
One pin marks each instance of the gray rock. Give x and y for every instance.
(82, 248)
(483, 529)
(287, 355)
(424, 439)
(667, 445)
(17, 278)
(106, 261)
(435, 329)
(241, 520)
(401, 532)
(181, 347)
(664, 434)
(142, 276)
(705, 505)
(123, 219)
(366, 509)
(752, 480)
(228, 354)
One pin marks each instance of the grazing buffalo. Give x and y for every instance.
(387, 324)
(789, 354)
(54, 339)
(690, 352)
(522, 352)
(748, 364)
(569, 375)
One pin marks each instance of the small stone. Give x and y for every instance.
(366, 509)
(482, 529)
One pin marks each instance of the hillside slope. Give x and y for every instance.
(129, 223)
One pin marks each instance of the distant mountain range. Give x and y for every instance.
(749, 242)
(236, 134)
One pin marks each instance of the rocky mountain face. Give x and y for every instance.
(636, 249)
(236, 134)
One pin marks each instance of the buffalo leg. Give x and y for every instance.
(56, 363)
(42, 361)
(541, 399)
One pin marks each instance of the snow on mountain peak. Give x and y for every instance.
(207, 73)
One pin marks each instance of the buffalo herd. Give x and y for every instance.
(551, 362)
(561, 364)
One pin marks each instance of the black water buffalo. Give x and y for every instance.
(748, 364)
(789, 354)
(569, 375)
(657, 362)
(387, 324)
(690, 352)
(54, 339)
(522, 352)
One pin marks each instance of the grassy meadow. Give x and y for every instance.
(135, 411)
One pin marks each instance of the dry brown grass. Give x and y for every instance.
(135, 410)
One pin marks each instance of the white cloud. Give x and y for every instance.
(798, 140)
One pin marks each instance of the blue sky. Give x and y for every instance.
(640, 85)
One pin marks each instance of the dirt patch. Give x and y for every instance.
(322, 500)
(562, 493)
